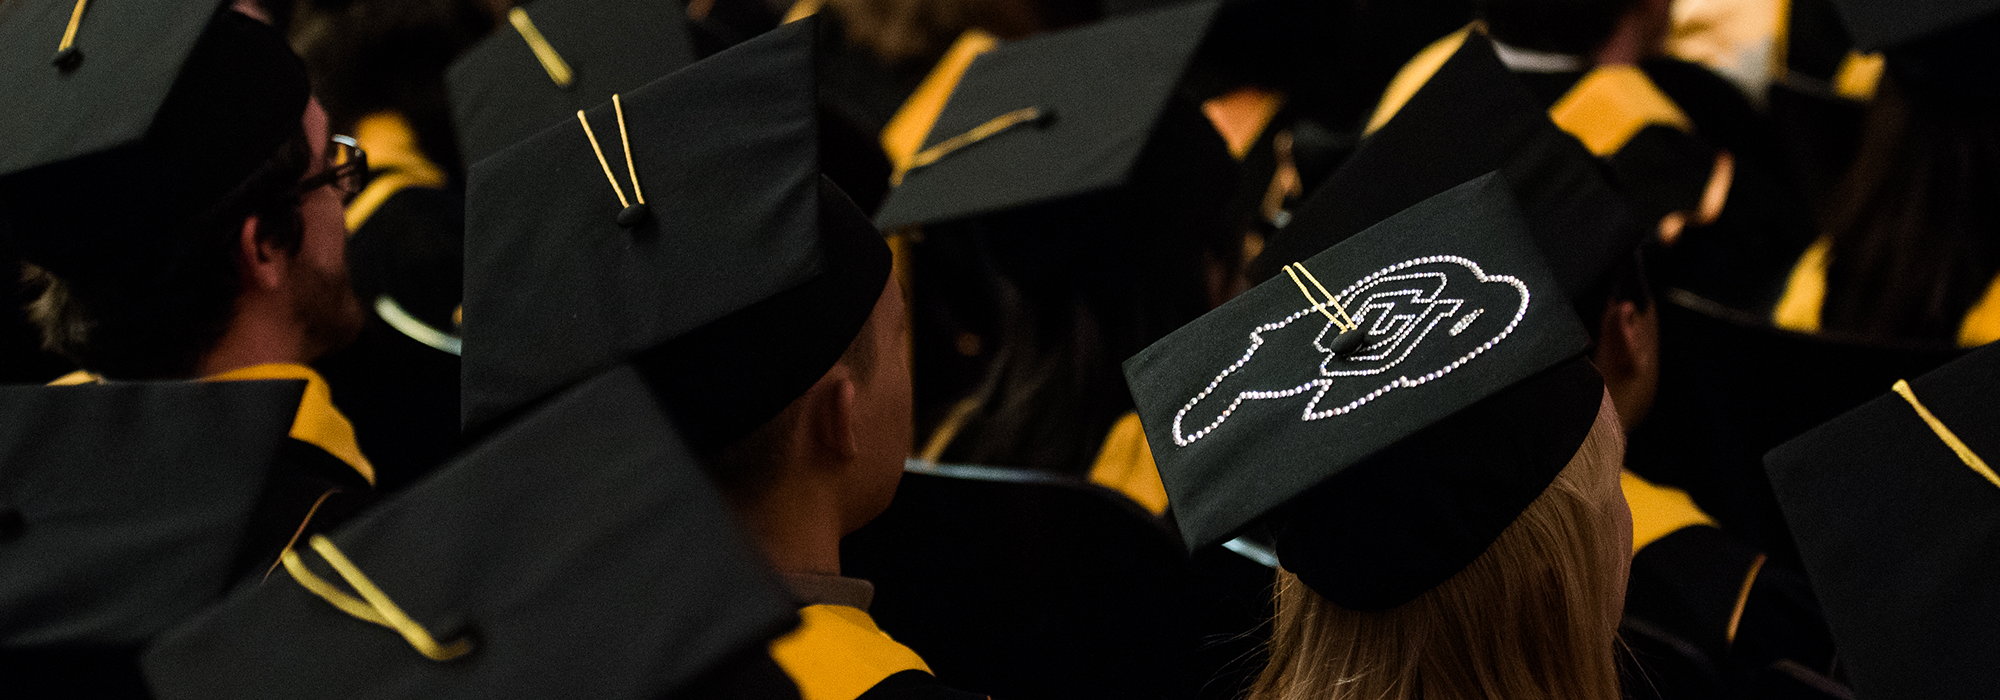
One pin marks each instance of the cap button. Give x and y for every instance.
(11, 524)
(68, 59)
(633, 215)
(1348, 342)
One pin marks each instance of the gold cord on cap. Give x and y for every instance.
(991, 128)
(622, 201)
(559, 70)
(1965, 454)
(626, 141)
(1344, 322)
(373, 606)
(633, 212)
(67, 55)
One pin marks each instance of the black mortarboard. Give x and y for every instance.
(1938, 48)
(579, 553)
(744, 282)
(123, 506)
(1879, 24)
(1383, 467)
(1897, 516)
(1050, 117)
(1470, 118)
(558, 56)
(161, 108)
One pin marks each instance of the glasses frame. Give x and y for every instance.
(346, 172)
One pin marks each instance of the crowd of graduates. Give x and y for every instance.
(1019, 349)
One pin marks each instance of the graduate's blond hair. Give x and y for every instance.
(1534, 617)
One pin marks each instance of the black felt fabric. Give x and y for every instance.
(501, 95)
(1898, 534)
(131, 502)
(1104, 84)
(915, 685)
(582, 549)
(1473, 117)
(763, 267)
(1876, 24)
(173, 106)
(1249, 415)
(1732, 388)
(1056, 575)
(1662, 170)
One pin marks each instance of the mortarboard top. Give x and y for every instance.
(161, 108)
(1470, 118)
(1898, 527)
(1879, 24)
(1386, 469)
(579, 553)
(123, 505)
(742, 283)
(506, 87)
(1050, 117)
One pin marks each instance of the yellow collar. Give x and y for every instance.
(837, 653)
(318, 423)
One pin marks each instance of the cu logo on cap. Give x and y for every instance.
(1424, 317)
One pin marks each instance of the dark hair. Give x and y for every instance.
(1573, 27)
(368, 56)
(1915, 223)
(1078, 286)
(154, 319)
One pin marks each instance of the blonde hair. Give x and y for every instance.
(1535, 616)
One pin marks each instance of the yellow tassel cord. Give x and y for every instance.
(991, 128)
(905, 132)
(1742, 599)
(559, 70)
(377, 608)
(1965, 454)
(1344, 322)
(75, 20)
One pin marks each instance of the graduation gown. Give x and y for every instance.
(838, 653)
(1708, 616)
(406, 253)
(128, 506)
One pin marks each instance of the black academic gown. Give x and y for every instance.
(1707, 616)
(127, 507)
(397, 381)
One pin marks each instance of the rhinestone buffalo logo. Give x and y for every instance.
(1423, 319)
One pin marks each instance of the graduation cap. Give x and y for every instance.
(127, 121)
(1472, 117)
(741, 280)
(1879, 24)
(123, 506)
(1943, 49)
(1054, 116)
(1384, 467)
(579, 553)
(1896, 510)
(556, 57)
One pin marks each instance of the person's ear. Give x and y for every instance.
(835, 425)
(1628, 357)
(262, 262)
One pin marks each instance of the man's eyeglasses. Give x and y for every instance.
(346, 171)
